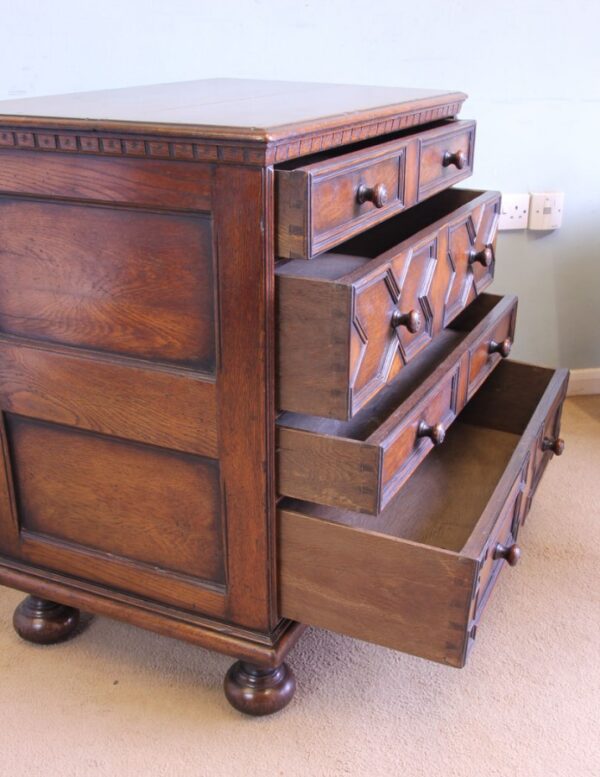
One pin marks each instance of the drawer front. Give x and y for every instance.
(445, 160)
(324, 202)
(548, 443)
(503, 537)
(406, 581)
(337, 464)
(341, 341)
(406, 447)
(341, 198)
(472, 255)
(486, 354)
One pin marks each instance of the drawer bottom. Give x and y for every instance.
(416, 577)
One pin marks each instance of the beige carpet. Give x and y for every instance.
(120, 701)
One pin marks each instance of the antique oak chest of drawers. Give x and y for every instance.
(250, 375)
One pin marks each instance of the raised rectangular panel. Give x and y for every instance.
(137, 502)
(126, 281)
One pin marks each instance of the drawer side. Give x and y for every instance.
(367, 586)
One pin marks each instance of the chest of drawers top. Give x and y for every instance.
(272, 120)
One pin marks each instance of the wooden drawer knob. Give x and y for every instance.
(376, 194)
(436, 433)
(411, 320)
(502, 348)
(554, 444)
(485, 257)
(511, 554)
(458, 159)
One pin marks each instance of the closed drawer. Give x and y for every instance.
(327, 198)
(350, 320)
(362, 463)
(416, 577)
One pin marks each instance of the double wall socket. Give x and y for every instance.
(537, 211)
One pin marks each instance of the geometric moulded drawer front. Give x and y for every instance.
(361, 464)
(140, 503)
(126, 281)
(350, 320)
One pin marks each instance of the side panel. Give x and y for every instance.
(136, 381)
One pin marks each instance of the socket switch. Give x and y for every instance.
(514, 211)
(545, 210)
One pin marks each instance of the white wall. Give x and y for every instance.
(531, 68)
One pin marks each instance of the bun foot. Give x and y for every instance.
(44, 622)
(255, 690)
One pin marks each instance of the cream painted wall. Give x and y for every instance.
(531, 68)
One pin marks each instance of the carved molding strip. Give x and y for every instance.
(132, 147)
(321, 141)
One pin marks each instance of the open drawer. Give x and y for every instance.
(360, 464)
(416, 578)
(349, 321)
(326, 198)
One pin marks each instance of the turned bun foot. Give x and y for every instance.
(44, 622)
(255, 690)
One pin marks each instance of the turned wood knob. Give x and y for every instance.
(554, 444)
(511, 554)
(484, 257)
(376, 194)
(411, 320)
(436, 433)
(458, 159)
(502, 348)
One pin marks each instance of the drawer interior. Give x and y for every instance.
(413, 375)
(353, 254)
(415, 577)
(322, 156)
(442, 502)
(386, 235)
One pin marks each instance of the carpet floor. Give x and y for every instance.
(120, 701)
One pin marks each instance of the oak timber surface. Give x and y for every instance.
(234, 108)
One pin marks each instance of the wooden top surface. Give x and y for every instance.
(233, 109)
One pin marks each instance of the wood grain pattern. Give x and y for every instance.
(336, 346)
(409, 579)
(151, 505)
(361, 464)
(90, 178)
(123, 281)
(352, 584)
(318, 202)
(114, 397)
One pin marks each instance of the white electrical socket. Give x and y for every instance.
(514, 211)
(545, 210)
